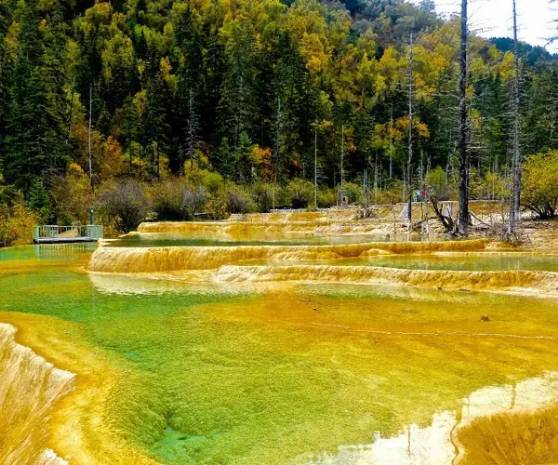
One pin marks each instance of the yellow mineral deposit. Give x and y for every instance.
(521, 282)
(161, 259)
(50, 415)
(29, 388)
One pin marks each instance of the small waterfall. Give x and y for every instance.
(29, 388)
(162, 259)
(261, 231)
(329, 215)
(535, 281)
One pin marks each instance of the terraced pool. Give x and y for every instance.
(171, 372)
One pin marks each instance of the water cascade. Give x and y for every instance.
(520, 281)
(29, 389)
(164, 259)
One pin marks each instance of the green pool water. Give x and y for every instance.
(214, 377)
(166, 240)
(478, 262)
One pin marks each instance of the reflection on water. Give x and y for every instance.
(436, 444)
(46, 252)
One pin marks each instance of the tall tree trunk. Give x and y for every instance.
(391, 142)
(277, 162)
(89, 143)
(316, 167)
(410, 138)
(464, 216)
(375, 176)
(515, 206)
(192, 137)
(342, 167)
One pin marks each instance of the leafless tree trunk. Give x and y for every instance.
(410, 137)
(316, 167)
(89, 143)
(391, 142)
(192, 137)
(464, 217)
(376, 176)
(516, 160)
(342, 168)
(277, 149)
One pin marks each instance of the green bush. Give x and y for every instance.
(16, 223)
(263, 194)
(327, 197)
(488, 186)
(173, 200)
(437, 181)
(299, 193)
(390, 195)
(353, 192)
(238, 200)
(540, 184)
(124, 203)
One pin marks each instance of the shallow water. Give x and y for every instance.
(471, 262)
(223, 376)
(161, 240)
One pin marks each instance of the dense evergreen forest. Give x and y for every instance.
(215, 106)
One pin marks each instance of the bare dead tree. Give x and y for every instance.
(391, 141)
(464, 217)
(316, 166)
(410, 137)
(277, 162)
(516, 160)
(342, 167)
(89, 135)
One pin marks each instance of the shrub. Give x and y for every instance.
(390, 195)
(263, 194)
(540, 184)
(16, 223)
(173, 200)
(437, 181)
(353, 192)
(488, 186)
(124, 203)
(299, 193)
(72, 196)
(237, 200)
(212, 181)
(327, 197)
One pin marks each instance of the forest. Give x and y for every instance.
(200, 108)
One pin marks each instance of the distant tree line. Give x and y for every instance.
(255, 92)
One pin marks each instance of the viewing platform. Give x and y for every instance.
(52, 234)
